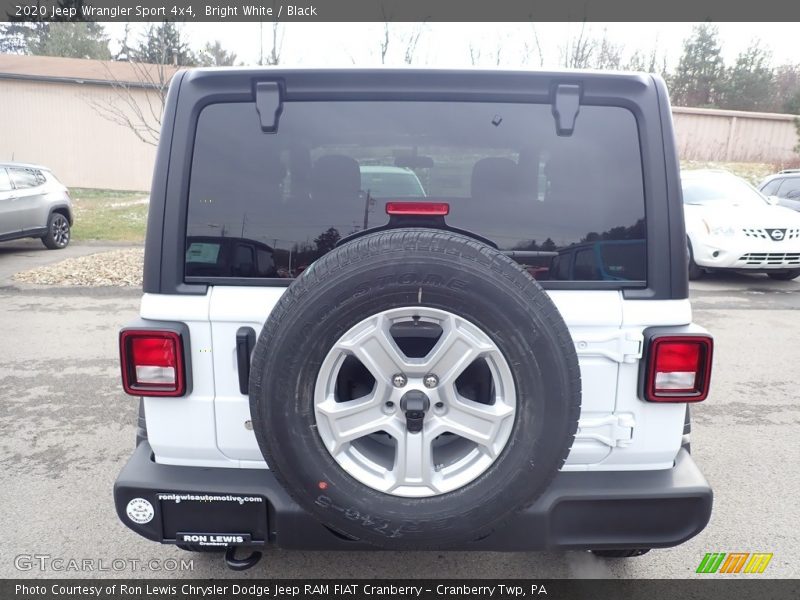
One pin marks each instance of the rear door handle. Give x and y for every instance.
(245, 342)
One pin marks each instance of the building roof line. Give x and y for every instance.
(79, 80)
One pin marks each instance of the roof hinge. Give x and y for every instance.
(566, 105)
(268, 104)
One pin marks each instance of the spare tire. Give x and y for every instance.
(414, 389)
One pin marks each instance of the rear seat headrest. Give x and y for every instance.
(495, 176)
(336, 175)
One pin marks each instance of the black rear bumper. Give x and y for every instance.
(580, 510)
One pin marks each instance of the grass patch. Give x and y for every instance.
(108, 215)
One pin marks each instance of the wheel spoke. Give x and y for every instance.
(413, 460)
(456, 349)
(376, 349)
(476, 422)
(353, 419)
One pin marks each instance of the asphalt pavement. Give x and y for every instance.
(66, 429)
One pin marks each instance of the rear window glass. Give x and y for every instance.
(771, 187)
(5, 181)
(622, 260)
(390, 183)
(789, 188)
(330, 168)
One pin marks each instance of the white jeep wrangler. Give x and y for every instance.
(497, 359)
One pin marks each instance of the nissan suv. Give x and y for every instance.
(324, 366)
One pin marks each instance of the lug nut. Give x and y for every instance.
(399, 380)
(439, 405)
(430, 381)
(390, 404)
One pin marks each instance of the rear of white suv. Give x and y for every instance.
(324, 367)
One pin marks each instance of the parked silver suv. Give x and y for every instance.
(33, 203)
(783, 188)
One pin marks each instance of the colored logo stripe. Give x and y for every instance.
(711, 562)
(758, 562)
(736, 562)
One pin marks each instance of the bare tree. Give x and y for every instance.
(385, 41)
(533, 45)
(609, 54)
(408, 41)
(492, 58)
(577, 53)
(474, 54)
(652, 62)
(137, 105)
(274, 56)
(411, 42)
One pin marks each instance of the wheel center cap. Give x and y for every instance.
(414, 404)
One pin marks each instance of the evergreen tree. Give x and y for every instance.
(14, 37)
(73, 40)
(748, 84)
(163, 44)
(786, 89)
(326, 241)
(214, 55)
(21, 36)
(792, 105)
(700, 72)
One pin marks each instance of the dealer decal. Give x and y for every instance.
(140, 511)
(213, 539)
(177, 498)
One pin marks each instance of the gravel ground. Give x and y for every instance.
(118, 268)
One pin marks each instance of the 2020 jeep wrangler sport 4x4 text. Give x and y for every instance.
(498, 357)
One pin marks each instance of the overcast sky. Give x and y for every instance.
(447, 44)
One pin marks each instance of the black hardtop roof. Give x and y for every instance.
(303, 80)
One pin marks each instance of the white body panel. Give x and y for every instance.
(617, 430)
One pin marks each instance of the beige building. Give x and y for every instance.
(734, 136)
(66, 113)
(69, 114)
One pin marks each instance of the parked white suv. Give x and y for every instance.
(731, 226)
(324, 367)
(33, 203)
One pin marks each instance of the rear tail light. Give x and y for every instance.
(152, 363)
(428, 209)
(678, 368)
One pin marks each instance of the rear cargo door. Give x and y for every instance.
(272, 191)
(601, 344)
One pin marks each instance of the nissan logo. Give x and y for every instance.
(776, 234)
